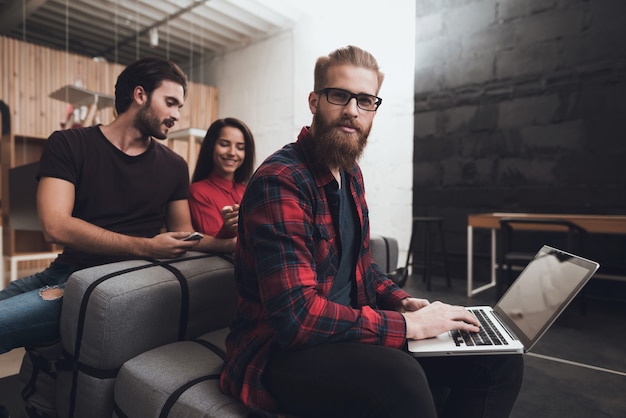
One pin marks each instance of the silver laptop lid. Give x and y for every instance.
(542, 291)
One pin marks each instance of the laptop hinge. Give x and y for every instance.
(506, 328)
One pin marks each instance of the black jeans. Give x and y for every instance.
(360, 380)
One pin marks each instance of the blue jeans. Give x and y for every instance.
(26, 318)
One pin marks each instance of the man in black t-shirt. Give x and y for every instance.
(105, 194)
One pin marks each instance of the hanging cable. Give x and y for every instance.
(115, 33)
(200, 80)
(136, 29)
(167, 41)
(67, 50)
(191, 50)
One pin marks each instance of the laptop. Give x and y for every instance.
(534, 301)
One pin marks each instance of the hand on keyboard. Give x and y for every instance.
(488, 334)
(436, 318)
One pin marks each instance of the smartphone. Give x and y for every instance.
(193, 237)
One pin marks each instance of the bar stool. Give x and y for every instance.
(428, 227)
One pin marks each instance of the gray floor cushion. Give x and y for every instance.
(176, 380)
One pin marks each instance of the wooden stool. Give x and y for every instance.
(427, 227)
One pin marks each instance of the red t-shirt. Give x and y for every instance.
(207, 198)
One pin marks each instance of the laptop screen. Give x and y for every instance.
(542, 291)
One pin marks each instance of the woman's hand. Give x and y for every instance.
(230, 214)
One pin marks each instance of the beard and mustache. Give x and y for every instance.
(335, 148)
(149, 124)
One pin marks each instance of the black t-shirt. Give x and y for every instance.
(118, 192)
(347, 221)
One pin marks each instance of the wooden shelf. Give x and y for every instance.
(186, 143)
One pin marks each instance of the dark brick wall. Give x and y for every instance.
(520, 106)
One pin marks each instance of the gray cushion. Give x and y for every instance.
(182, 377)
(384, 252)
(114, 312)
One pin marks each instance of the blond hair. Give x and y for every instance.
(349, 55)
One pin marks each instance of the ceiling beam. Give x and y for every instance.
(130, 39)
(16, 12)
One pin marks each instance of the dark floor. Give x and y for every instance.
(10, 397)
(592, 385)
(590, 379)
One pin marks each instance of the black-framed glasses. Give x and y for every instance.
(341, 97)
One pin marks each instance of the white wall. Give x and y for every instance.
(266, 84)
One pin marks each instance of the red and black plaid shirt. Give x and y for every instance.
(285, 262)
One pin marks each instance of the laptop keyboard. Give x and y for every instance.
(488, 334)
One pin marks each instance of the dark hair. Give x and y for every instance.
(205, 163)
(147, 73)
(349, 55)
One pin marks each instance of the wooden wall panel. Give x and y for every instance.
(30, 73)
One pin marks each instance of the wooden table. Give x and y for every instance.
(600, 224)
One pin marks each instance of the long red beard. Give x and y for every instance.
(337, 149)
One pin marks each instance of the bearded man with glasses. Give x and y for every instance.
(319, 330)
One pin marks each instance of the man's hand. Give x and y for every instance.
(437, 317)
(230, 214)
(411, 304)
(169, 245)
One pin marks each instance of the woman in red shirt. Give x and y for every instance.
(225, 164)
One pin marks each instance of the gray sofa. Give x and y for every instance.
(145, 339)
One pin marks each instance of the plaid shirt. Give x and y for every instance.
(285, 262)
